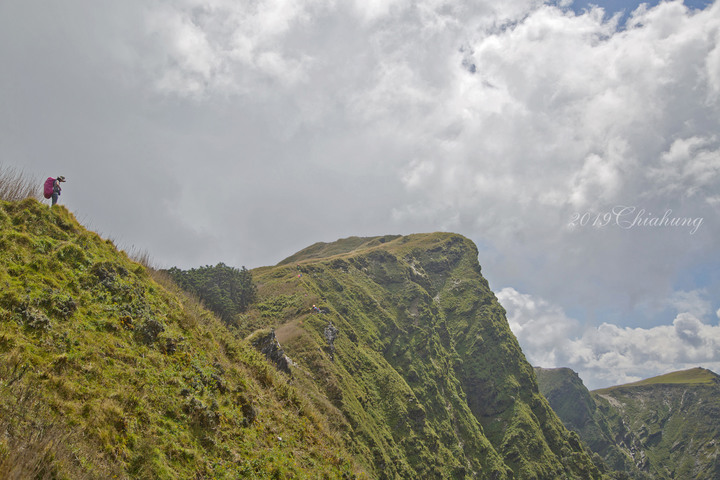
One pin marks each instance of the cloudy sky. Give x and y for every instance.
(578, 146)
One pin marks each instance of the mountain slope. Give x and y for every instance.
(106, 373)
(409, 354)
(587, 415)
(676, 418)
(665, 427)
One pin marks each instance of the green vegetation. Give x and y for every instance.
(225, 290)
(412, 360)
(581, 412)
(674, 420)
(107, 370)
(396, 358)
(405, 368)
(693, 376)
(665, 427)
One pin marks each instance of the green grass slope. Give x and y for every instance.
(412, 360)
(581, 412)
(676, 419)
(665, 427)
(693, 376)
(107, 373)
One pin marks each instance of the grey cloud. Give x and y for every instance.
(580, 119)
(213, 130)
(687, 328)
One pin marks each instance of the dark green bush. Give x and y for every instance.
(225, 290)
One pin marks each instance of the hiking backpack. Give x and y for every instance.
(49, 186)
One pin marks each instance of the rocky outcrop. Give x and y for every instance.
(268, 345)
(331, 333)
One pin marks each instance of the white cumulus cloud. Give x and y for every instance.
(608, 354)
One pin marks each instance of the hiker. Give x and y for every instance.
(53, 189)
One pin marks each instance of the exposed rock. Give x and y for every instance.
(331, 333)
(269, 346)
(170, 346)
(201, 414)
(249, 413)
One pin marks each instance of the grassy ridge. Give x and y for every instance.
(109, 372)
(405, 369)
(422, 374)
(693, 376)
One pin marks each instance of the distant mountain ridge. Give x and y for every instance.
(664, 427)
(693, 376)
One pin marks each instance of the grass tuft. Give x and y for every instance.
(16, 185)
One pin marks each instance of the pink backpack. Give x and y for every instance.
(49, 185)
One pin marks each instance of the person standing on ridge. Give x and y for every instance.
(53, 189)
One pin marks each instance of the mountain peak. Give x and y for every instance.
(342, 246)
(356, 245)
(412, 352)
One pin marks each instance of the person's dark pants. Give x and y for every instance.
(54, 198)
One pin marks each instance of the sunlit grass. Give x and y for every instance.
(692, 376)
(108, 371)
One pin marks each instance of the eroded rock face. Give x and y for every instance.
(269, 346)
(331, 332)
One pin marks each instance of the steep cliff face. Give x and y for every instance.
(665, 427)
(590, 416)
(404, 346)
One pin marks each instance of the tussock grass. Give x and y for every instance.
(142, 257)
(35, 445)
(16, 184)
